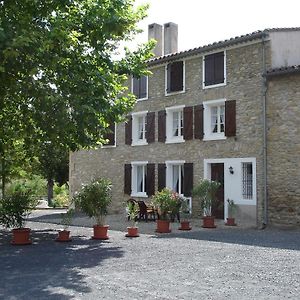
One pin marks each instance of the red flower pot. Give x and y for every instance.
(132, 232)
(100, 232)
(63, 236)
(21, 236)
(230, 222)
(185, 225)
(209, 222)
(163, 226)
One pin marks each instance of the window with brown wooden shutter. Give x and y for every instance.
(150, 127)
(127, 179)
(161, 177)
(175, 75)
(230, 118)
(162, 126)
(188, 179)
(139, 87)
(188, 123)
(110, 135)
(128, 131)
(150, 182)
(198, 122)
(214, 69)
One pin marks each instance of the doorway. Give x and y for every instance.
(217, 174)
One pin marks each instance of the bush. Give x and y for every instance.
(61, 196)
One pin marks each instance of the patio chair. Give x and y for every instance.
(145, 211)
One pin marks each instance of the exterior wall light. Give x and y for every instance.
(231, 170)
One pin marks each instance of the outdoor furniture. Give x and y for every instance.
(146, 212)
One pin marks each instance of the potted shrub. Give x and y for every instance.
(206, 192)
(94, 200)
(132, 209)
(14, 209)
(231, 212)
(64, 235)
(166, 203)
(185, 216)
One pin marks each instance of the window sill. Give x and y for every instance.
(108, 146)
(142, 99)
(143, 143)
(140, 195)
(213, 85)
(174, 93)
(174, 141)
(214, 138)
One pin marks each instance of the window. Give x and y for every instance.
(139, 177)
(110, 136)
(214, 119)
(174, 124)
(247, 180)
(139, 124)
(214, 69)
(175, 77)
(140, 87)
(175, 176)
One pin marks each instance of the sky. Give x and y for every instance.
(201, 22)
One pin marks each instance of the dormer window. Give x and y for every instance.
(140, 87)
(175, 77)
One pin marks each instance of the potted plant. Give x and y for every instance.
(166, 203)
(206, 192)
(132, 209)
(64, 235)
(231, 212)
(185, 216)
(14, 209)
(94, 199)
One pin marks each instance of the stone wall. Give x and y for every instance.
(244, 84)
(283, 148)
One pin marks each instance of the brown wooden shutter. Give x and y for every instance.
(150, 127)
(128, 131)
(143, 87)
(136, 87)
(209, 69)
(198, 122)
(110, 136)
(188, 123)
(169, 67)
(176, 76)
(188, 179)
(127, 179)
(162, 126)
(150, 181)
(161, 177)
(219, 68)
(230, 118)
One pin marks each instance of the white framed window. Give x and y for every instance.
(174, 124)
(214, 119)
(175, 176)
(139, 122)
(214, 70)
(138, 178)
(139, 87)
(175, 78)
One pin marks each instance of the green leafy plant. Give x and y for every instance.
(232, 207)
(185, 210)
(61, 196)
(206, 192)
(94, 199)
(66, 218)
(167, 203)
(15, 208)
(133, 210)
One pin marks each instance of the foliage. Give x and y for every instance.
(167, 203)
(231, 208)
(66, 218)
(206, 192)
(15, 208)
(185, 210)
(94, 199)
(61, 196)
(133, 210)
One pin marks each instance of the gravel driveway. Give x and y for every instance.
(224, 263)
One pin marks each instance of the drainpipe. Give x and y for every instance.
(264, 99)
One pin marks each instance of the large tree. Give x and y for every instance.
(61, 78)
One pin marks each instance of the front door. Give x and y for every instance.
(217, 174)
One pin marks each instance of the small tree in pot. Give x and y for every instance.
(66, 220)
(206, 192)
(94, 199)
(14, 209)
(185, 215)
(231, 212)
(132, 209)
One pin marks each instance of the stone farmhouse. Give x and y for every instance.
(228, 111)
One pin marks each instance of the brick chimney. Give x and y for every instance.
(170, 38)
(155, 32)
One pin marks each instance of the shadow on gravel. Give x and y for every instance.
(48, 269)
(270, 238)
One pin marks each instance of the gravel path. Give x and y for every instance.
(230, 263)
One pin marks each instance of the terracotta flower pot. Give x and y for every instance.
(132, 232)
(100, 232)
(185, 225)
(209, 222)
(163, 226)
(63, 236)
(230, 222)
(21, 236)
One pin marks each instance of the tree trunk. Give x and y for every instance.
(3, 177)
(50, 185)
